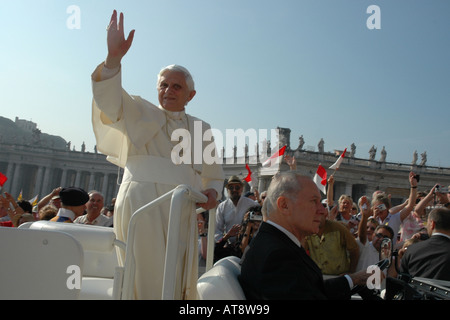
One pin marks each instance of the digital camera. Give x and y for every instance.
(255, 216)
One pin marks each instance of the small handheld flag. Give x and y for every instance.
(320, 179)
(338, 162)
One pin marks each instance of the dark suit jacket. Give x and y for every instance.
(428, 259)
(274, 267)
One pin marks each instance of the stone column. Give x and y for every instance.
(91, 180)
(105, 184)
(64, 178)
(15, 187)
(9, 174)
(38, 182)
(348, 189)
(77, 178)
(45, 182)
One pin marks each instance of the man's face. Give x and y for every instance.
(307, 211)
(173, 92)
(378, 237)
(234, 191)
(95, 203)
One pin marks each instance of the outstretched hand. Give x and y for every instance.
(118, 46)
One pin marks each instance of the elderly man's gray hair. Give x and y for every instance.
(285, 184)
(174, 67)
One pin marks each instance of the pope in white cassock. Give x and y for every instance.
(136, 135)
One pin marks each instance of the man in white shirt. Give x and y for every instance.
(230, 212)
(93, 214)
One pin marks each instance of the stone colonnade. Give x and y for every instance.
(37, 171)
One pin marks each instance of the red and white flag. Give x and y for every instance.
(320, 178)
(251, 179)
(274, 159)
(338, 161)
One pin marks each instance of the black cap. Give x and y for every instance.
(73, 196)
(248, 194)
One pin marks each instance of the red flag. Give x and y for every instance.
(339, 160)
(3, 179)
(320, 178)
(273, 158)
(248, 178)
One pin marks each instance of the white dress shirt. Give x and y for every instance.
(228, 214)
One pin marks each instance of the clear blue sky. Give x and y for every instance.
(309, 65)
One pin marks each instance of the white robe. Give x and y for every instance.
(135, 135)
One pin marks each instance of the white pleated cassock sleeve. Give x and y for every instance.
(135, 135)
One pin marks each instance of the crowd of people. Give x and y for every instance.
(68, 205)
(347, 239)
(303, 236)
(349, 234)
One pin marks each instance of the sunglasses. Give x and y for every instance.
(236, 187)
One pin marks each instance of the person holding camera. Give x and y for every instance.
(244, 232)
(250, 226)
(443, 195)
(370, 248)
(229, 217)
(381, 205)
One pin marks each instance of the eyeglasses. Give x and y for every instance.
(236, 187)
(379, 235)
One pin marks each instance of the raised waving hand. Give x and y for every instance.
(117, 44)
